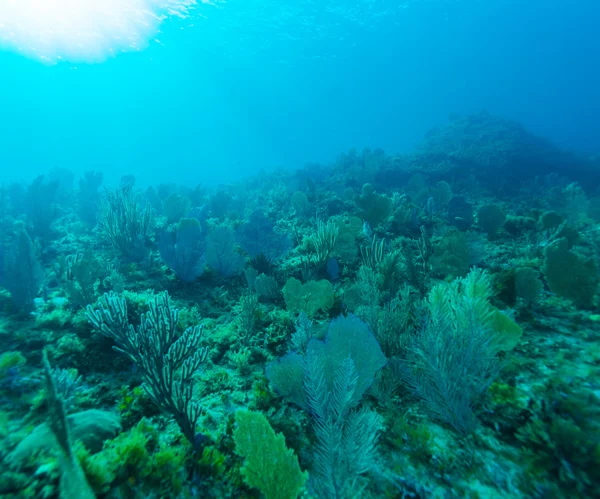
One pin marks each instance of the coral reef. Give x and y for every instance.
(421, 326)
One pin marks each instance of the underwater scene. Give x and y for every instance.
(299, 249)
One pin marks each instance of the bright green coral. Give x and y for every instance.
(11, 360)
(569, 274)
(269, 465)
(375, 208)
(467, 301)
(308, 297)
(136, 457)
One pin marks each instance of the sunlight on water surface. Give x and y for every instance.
(85, 30)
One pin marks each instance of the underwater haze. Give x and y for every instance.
(208, 91)
(299, 249)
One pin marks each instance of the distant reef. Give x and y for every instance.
(494, 151)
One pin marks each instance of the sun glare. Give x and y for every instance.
(83, 30)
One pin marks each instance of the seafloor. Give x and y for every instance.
(421, 325)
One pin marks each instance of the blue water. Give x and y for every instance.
(251, 84)
(415, 325)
